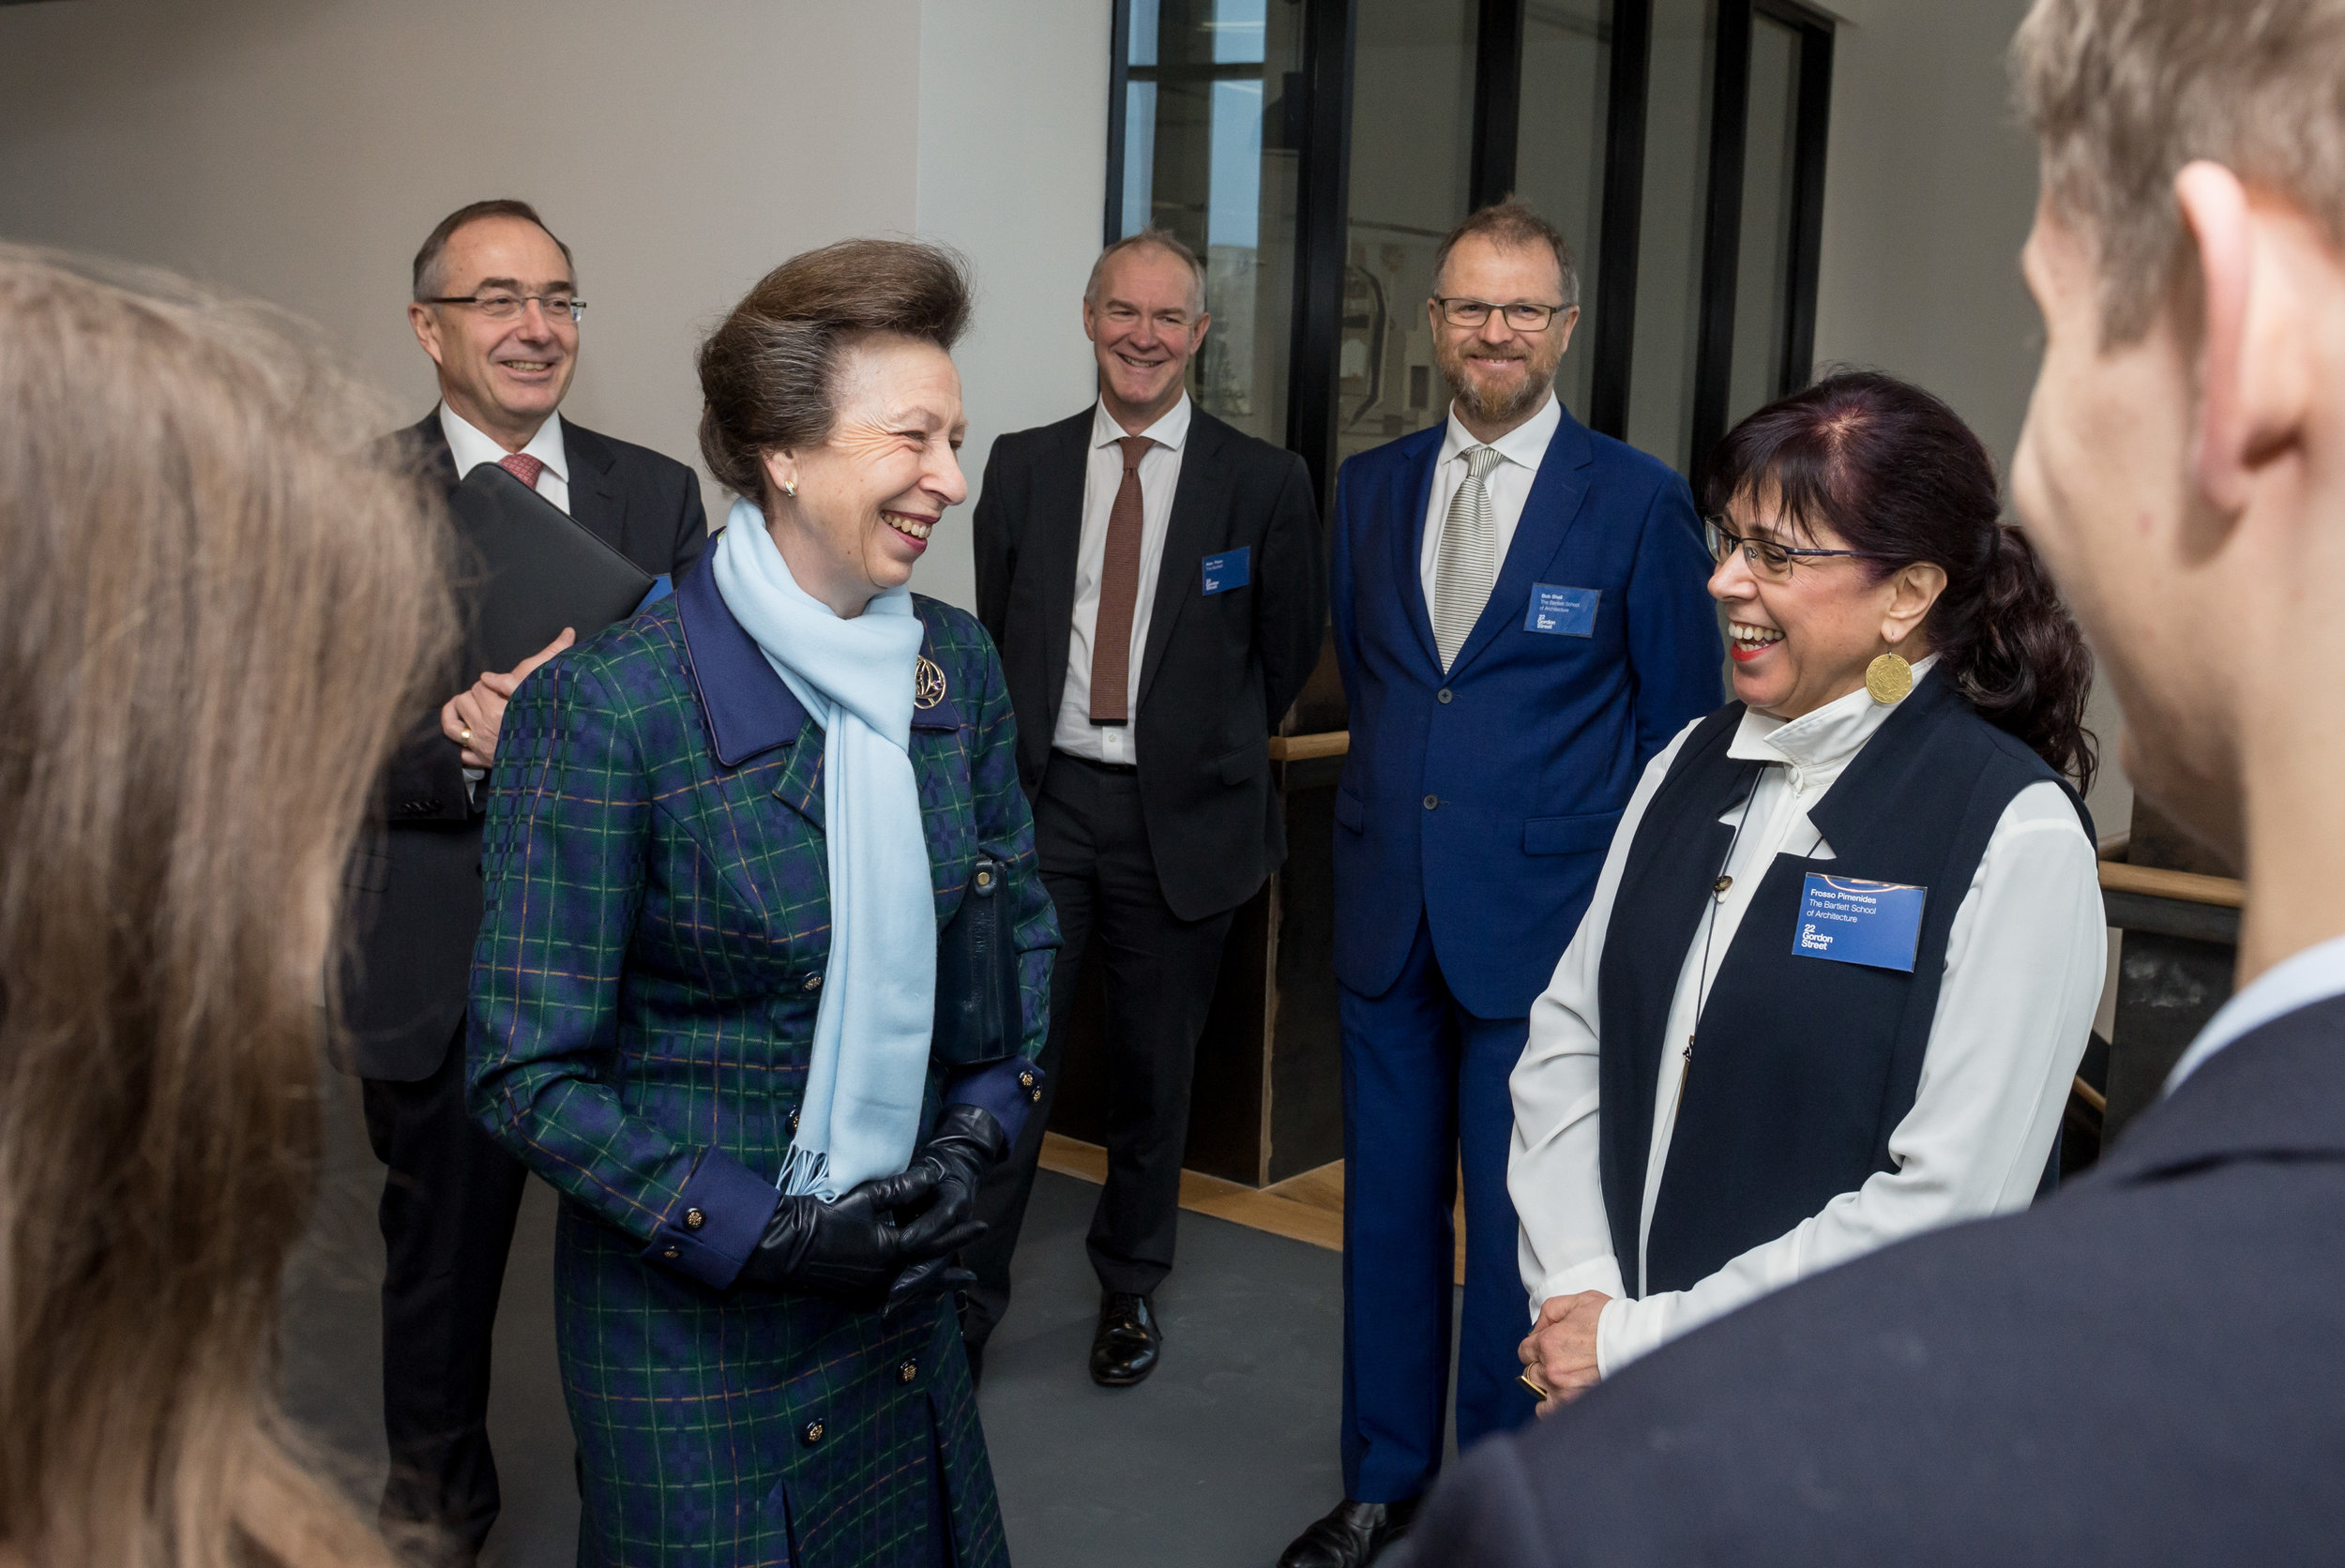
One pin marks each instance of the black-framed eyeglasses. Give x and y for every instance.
(509, 308)
(1523, 315)
(1767, 559)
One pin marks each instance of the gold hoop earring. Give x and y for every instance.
(1889, 679)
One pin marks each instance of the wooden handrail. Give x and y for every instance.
(2117, 876)
(1305, 748)
(2187, 887)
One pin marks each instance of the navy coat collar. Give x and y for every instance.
(751, 709)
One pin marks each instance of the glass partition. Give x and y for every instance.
(1676, 196)
(1559, 153)
(1411, 146)
(1209, 152)
(1763, 274)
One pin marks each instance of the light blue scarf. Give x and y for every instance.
(862, 1107)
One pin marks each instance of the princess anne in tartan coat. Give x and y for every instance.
(659, 925)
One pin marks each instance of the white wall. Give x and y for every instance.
(300, 149)
(1929, 195)
(1013, 171)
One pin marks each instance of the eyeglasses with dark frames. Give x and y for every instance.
(1523, 315)
(508, 307)
(1767, 560)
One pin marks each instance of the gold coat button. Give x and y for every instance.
(812, 1434)
(907, 1372)
(794, 1120)
(694, 1219)
(673, 1253)
(985, 878)
(1025, 1080)
(813, 982)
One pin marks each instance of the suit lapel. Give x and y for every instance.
(1057, 543)
(430, 443)
(1414, 488)
(1548, 515)
(595, 503)
(1199, 501)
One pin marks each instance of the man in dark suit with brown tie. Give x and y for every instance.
(496, 307)
(1152, 579)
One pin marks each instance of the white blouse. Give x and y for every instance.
(2024, 967)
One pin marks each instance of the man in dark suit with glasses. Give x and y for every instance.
(496, 307)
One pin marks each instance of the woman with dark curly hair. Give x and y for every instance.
(1845, 951)
(707, 1000)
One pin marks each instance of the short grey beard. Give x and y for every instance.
(1534, 393)
(1535, 389)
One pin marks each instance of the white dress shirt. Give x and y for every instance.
(1508, 484)
(2023, 971)
(1103, 475)
(471, 448)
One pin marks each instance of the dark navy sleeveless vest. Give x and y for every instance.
(1801, 1067)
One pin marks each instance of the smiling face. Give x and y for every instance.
(1805, 641)
(503, 378)
(869, 497)
(1501, 375)
(1146, 323)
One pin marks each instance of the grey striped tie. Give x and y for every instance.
(1467, 566)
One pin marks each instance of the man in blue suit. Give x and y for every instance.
(2145, 1369)
(1521, 623)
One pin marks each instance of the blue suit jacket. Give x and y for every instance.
(1486, 800)
(2142, 1371)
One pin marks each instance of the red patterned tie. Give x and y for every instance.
(521, 466)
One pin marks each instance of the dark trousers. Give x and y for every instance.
(449, 1198)
(1157, 974)
(1424, 1094)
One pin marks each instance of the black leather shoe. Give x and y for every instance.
(1129, 1344)
(1350, 1535)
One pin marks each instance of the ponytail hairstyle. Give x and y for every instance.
(1894, 473)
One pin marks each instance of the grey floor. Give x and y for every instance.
(1215, 1462)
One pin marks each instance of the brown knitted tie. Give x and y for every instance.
(1119, 592)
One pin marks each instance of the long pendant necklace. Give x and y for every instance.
(1704, 979)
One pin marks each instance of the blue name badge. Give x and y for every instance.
(1231, 570)
(1562, 612)
(661, 589)
(1851, 922)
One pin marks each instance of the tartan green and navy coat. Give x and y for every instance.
(643, 1017)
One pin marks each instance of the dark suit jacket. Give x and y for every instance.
(2147, 1369)
(1219, 670)
(417, 876)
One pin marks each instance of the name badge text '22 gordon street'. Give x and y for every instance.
(1850, 921)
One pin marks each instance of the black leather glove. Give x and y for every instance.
(854, 1248)
(967, 1143)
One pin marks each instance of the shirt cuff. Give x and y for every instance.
(1625, 1329)
(716, 1223)
(1596, 1274)
(1009, 1088)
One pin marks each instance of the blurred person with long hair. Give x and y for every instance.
(219, 606)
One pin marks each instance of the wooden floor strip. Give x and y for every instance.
(1305, 1208)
